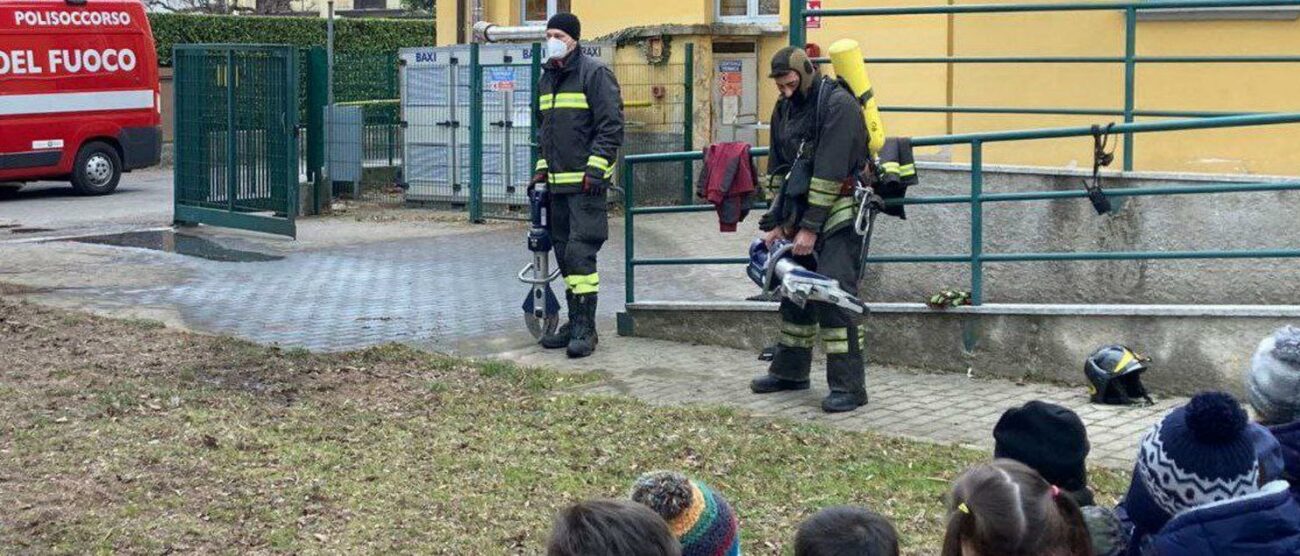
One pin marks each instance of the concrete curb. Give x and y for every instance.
(1193, 347)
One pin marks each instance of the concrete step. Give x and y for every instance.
(1193, 347)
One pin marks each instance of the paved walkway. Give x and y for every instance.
(451, 287)
(942, 408)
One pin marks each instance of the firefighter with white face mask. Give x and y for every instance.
(581, 129)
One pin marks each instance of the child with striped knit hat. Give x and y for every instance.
(698, 516)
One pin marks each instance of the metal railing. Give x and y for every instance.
(977, 197)
(798, 34)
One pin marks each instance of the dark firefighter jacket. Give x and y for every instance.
(580, 111)
(838, 147)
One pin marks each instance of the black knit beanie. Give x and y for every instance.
(568, 23)
(1048, 438)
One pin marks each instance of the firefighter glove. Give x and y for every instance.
(538, 179)
(594, 183)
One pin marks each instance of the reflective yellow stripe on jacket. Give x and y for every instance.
(823, 193)
(566, 178)
(576, 101)
(601, 164)
(902, 170)
(842, 210)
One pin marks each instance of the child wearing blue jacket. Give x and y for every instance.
(1198, 489)
(1273, 388)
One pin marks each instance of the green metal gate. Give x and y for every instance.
(236, 136)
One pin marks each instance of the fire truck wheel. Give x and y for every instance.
(97, 169)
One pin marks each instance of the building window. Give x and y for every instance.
(369, 5)
(749, 10)
(538, 11)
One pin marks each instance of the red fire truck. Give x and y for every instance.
(79, 97)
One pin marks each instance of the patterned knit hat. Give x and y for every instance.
(699, 517)
(1273, 382)
(1200, 453)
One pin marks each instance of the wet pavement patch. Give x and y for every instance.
(181, 244)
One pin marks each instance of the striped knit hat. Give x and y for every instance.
(1199, 454)
(699, 517)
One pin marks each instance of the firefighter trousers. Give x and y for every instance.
(839, 329)
(579, 227)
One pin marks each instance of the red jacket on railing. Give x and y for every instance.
(728, 182)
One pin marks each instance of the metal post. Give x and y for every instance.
(317, 68)
(475, 136)
(453, 79)
(329, 93)
(977, 222)
(393, 64)
(1130, 81)
(629, 246)
(290, 167)
(534, 127)
(688, 122)
(508, 138)
(798, 30)
(232, 136)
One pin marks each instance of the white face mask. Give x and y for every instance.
(556, 49)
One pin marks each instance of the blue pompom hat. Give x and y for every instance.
(1200, 453)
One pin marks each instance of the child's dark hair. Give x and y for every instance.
(1004, 508)
(846, 531)
(611, 528)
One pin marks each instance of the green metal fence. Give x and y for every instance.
(236, 136)
(658, 105)
(798, 34)
(369, 82)
(976, 199)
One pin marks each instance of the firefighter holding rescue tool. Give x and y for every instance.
(581, 130)
(818, 148)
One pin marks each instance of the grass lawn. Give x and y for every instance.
(125, 437)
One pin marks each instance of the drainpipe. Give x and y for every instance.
(488, 32)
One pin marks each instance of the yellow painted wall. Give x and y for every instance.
(503, 12)
(599, 17)
(897, 84)
(602, 17)
(638, 81)
(1248, 87)
(1241, 87)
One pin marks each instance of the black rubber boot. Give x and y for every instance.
(583, 338)
(560, 338)
(845, 368)
(767, 384)
(839, 402)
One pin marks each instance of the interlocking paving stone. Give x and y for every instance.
(930, 407)
(459, 294)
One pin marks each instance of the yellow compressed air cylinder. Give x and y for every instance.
(846, 57)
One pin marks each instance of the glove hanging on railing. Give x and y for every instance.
(1100, 157)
